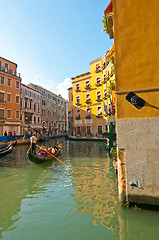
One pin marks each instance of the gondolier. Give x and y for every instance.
(33, 141)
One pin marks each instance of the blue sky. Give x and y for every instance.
(52, 41)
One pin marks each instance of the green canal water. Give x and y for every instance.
(53, 202)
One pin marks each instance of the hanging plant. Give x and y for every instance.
(112, 59)
(105, 24)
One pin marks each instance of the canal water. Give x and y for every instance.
(53, 202)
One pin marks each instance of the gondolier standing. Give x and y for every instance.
(33, 141)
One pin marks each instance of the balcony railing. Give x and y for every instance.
(88, 86)
(9, 71)
(77, 90)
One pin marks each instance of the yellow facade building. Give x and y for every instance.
(137, 89)
(93, 99)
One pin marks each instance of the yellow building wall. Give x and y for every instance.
(136, 60)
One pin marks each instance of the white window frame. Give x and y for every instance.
(98, 78)
(87, 82)
(78, 85)
(8, 93)
(98, 107)
(4, 81)
(90, 128)
(4, 95)
(16, 84)
(17, 95)
(4, 111)
(99, 126)
(78, 97)
(97, 93)
(10, 82)
(10, 113)
(16, 114)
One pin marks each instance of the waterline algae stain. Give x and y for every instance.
(54, 202)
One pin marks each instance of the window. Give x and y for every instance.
(9, 82)
(38, 108)
(30, 94)
(105, 93)
(38, 97)
(8, 113)
(87, 97)
(99, 110)
(1, 80)
(34, 106)
(97, 65)
(98, 95)
(1, 113)
(26, 103)
(17, 114)
(78, 130)
(99, 129)
(88, 113)
(87, 84)
(77, 87)
(6, 67)
(38, 119)
(88, 129)
(61, 102)
(54, 98)
(78, 100)
(34, 119)
(43, 93)
(30, 104)
(1, 97)
(26, 92)
(0, 65)
(43, 102)
(8, 97)
(34, 95)
(17, 99)
(17, 84)
(78, 113)
(98, 80)
(58, 100)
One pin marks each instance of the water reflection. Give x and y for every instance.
(95, 183)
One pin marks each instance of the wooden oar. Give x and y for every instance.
(55, 157)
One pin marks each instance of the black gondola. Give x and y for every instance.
(6, 150)
(42, 158)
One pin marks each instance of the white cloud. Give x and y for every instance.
(63, 86)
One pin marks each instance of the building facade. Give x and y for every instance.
(93, 99)
(137, 91)
(9, 98)
(53, 110)
(30, 109)
(70, 111)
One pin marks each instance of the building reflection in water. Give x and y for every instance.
(95, 183)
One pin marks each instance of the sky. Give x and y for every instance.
(53, 41)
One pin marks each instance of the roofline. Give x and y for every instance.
(96, 60)
(9, 61)
(83, 74)
(30, 88)
(49, 91)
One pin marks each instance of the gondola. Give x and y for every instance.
(8, 145)
(6, 150)
(41, 158)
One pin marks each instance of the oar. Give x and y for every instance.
(55, 157)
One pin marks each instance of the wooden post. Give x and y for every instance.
(122, 187)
